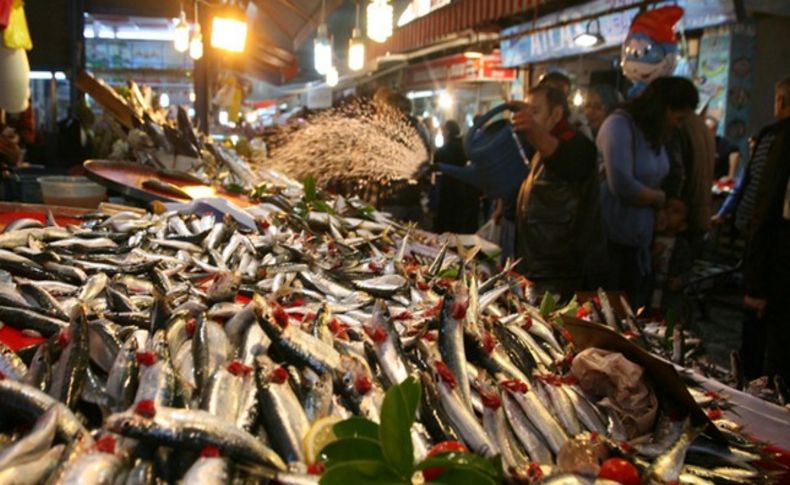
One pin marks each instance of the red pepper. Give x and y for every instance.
(566, 335)
(106, 444)
(362, 385)
(515, 385)
(146, 358)
(239, 369)
(593, 436)
(263, 224)
(431, 336)
(581, 312)
(145, 408)
(527, 323)
(209, 451)
(374, 267)
(423, 286)
(279, 375)
(445, 374)
(570, 380)
(338, 329)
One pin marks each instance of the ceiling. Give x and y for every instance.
(281, 33)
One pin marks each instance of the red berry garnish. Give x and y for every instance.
(488, 342)
(619, 470)
(581, 312)
(280, 316)
(263, 224)
(527, 323)
(715, 413)
(377, 334)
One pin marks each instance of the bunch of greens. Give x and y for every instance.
(369, 453)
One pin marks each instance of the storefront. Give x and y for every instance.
(458, 87)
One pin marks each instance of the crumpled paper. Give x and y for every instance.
(621, 385)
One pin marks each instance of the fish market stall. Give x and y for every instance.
(308, 338)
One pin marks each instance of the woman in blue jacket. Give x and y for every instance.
(635, 163)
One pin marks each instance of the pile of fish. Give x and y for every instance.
(190, 347)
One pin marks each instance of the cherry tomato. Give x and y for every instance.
(444, 447)
(619, 470)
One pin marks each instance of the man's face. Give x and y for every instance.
(541, 112)
(780, 104)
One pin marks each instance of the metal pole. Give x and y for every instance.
(202, 80)
(77, 43)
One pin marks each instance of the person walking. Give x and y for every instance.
(765, 204)
(459, 203)
(559, 234)
(602, 100)
(634, 164)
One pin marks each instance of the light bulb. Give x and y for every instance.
(578, 99)
(164, 100)
(445, 100)
(229, 32)
(379, 27)
(181, 37)
(356, 52)
(332, 77)
(322, 51)
(196, 44)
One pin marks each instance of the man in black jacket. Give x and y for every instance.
(767, 262)
(559, 230)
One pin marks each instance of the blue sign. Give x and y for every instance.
(557, 42)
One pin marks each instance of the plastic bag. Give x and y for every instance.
(491, 231)
(16, 34)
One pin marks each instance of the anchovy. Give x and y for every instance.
(667, 466)
(123, 376)
(451, 339)
(25, 400)
(95, 468)
(35, 443)
(11, 366)
(208, 471)
(193, 429)
(34, 471)
(69, 374)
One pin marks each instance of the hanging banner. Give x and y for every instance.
(458, 68)
(557, 42)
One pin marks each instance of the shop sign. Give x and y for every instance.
(458, 68)
(554, 43)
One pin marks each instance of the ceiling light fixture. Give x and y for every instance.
(591, 36)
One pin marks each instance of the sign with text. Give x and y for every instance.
(458, 68)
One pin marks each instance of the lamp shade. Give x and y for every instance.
(14, 79)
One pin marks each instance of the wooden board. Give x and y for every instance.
(128, 178)
(108, 100)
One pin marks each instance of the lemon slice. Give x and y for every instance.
(319, 435)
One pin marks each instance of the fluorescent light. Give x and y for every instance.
(473, 54)
(164, 100)
(145, 34)
(419, 94)
(40, 75)
(356, 51)
(88, 32)
(379, 20)
(60, 76)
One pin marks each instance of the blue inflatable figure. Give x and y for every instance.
(650, 49)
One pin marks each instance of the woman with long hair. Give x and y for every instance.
(634, 164)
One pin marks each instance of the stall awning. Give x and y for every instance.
(456, 17)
